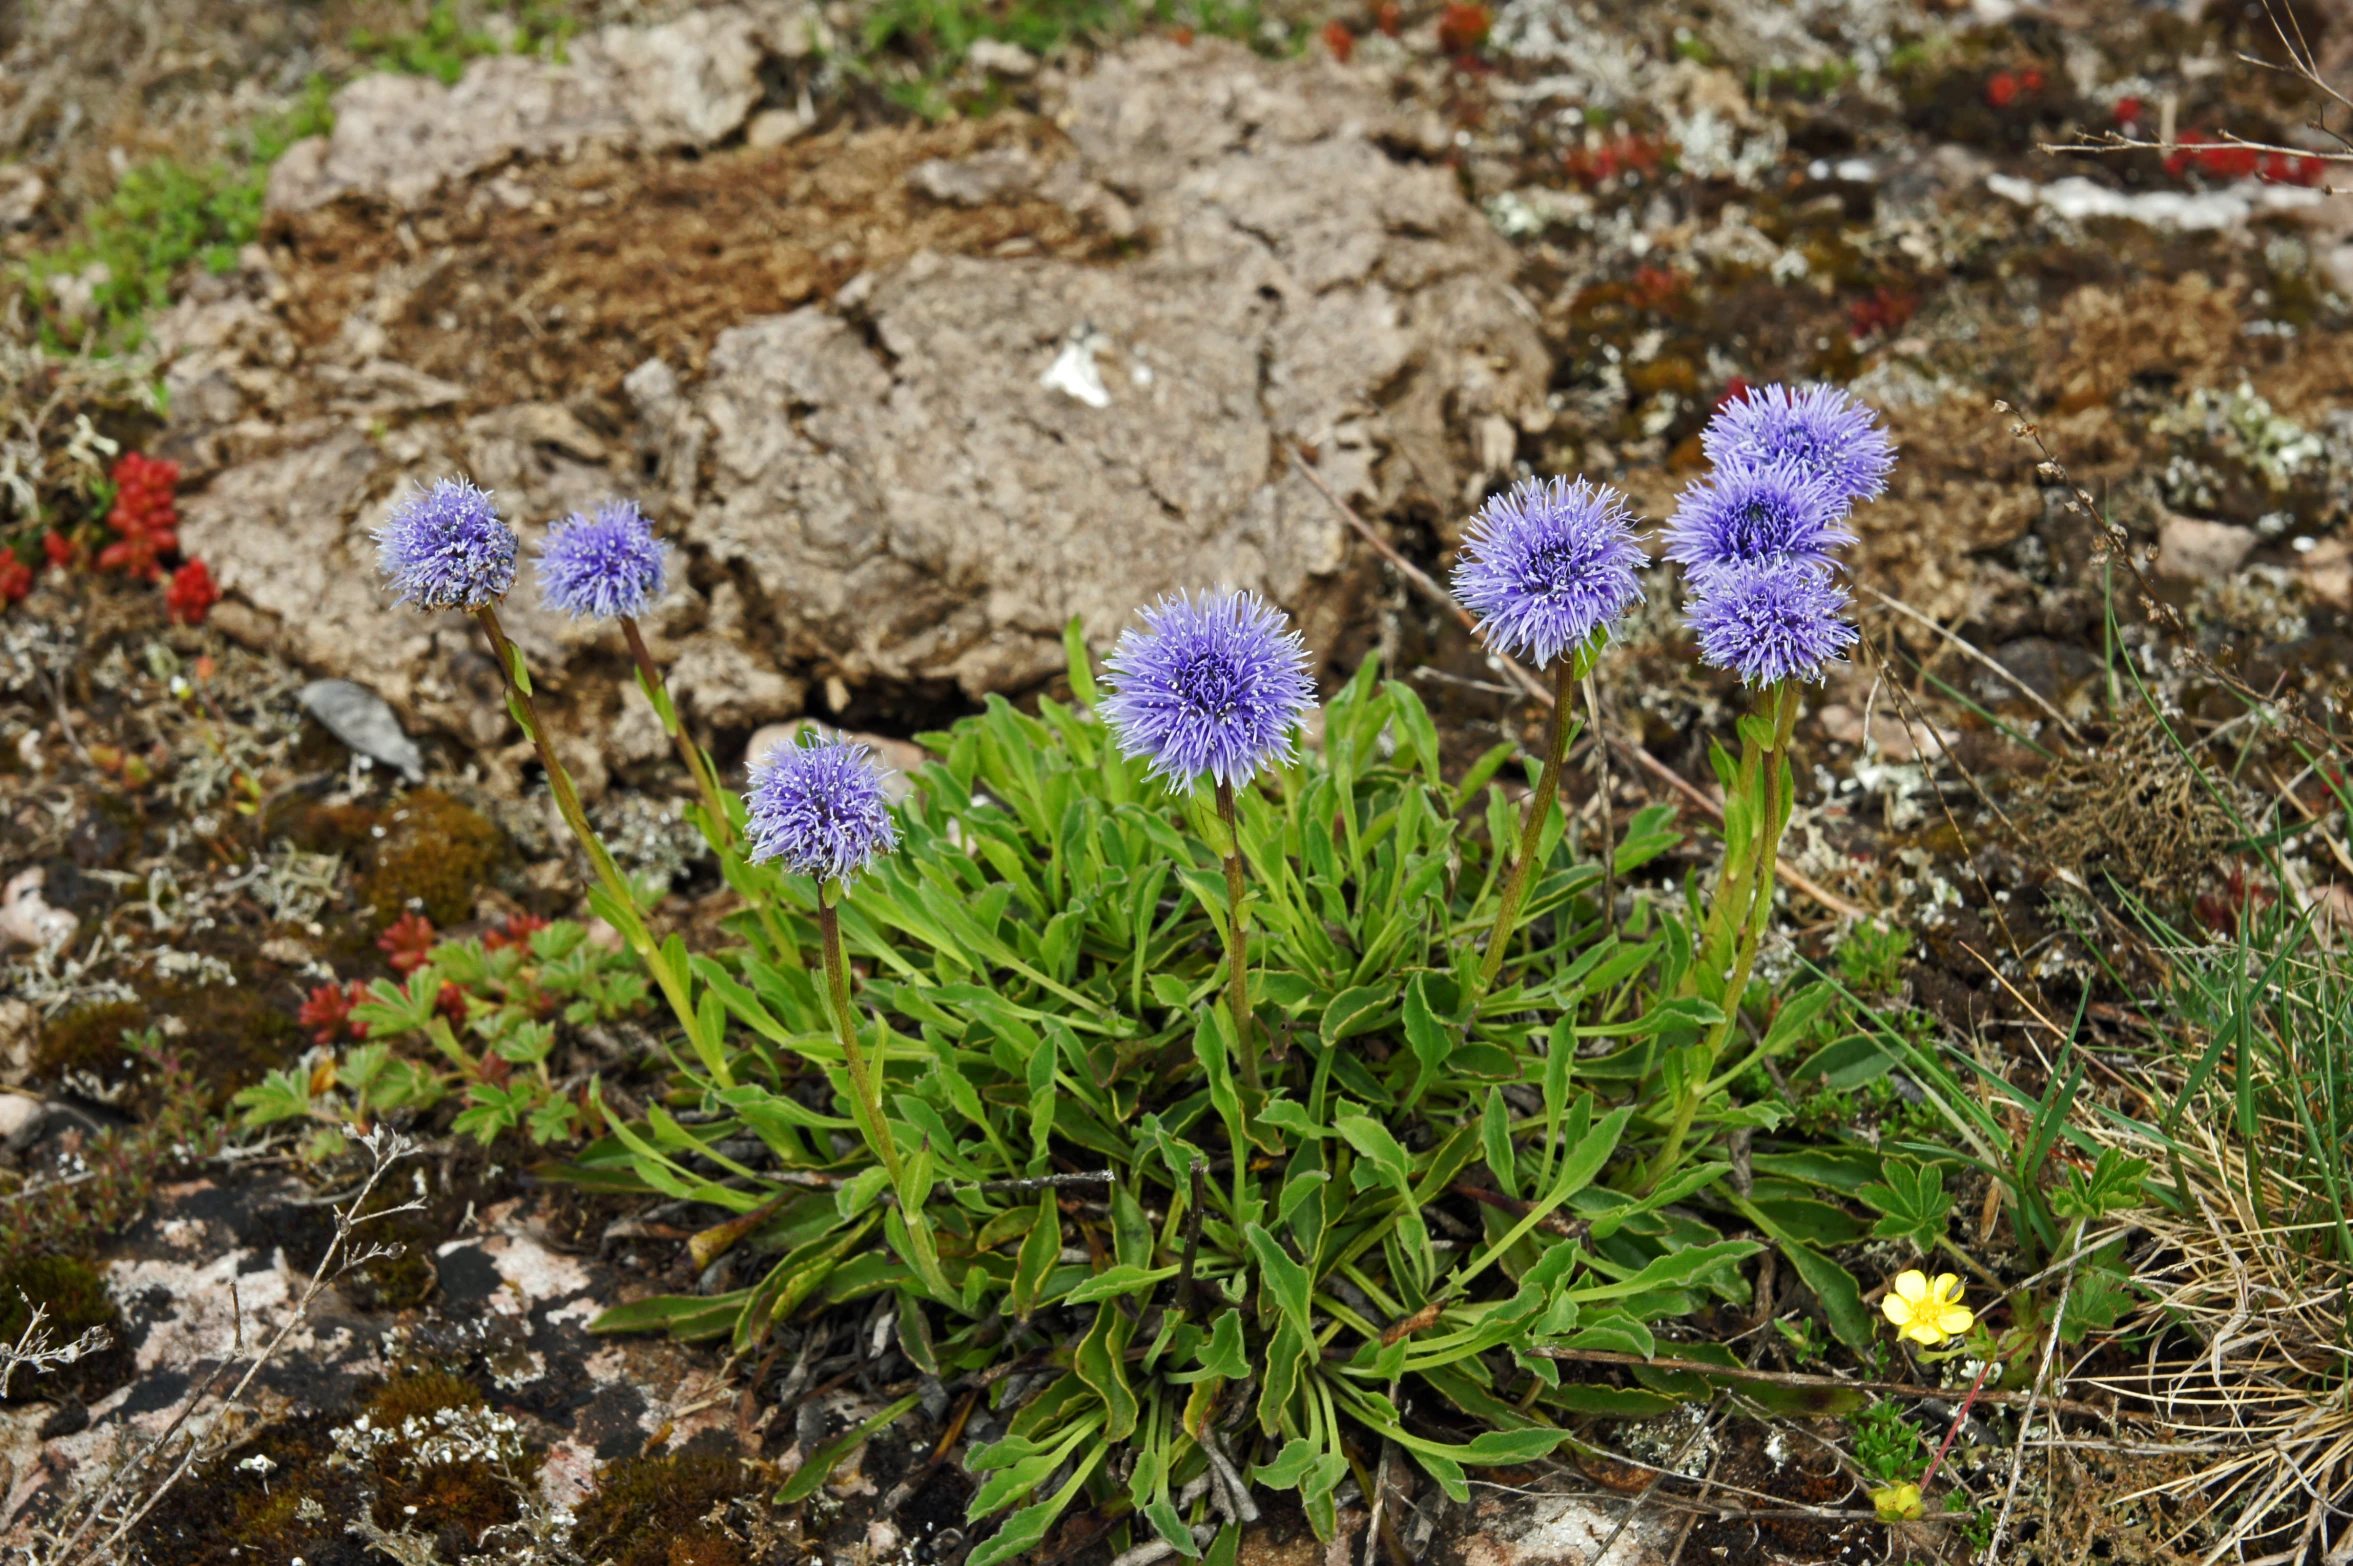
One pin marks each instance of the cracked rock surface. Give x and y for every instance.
(931, 394)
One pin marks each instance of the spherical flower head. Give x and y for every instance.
(1772, 622)
(1898, 1503)
(1548, 563)
(1213, 684)
(1821, 428)
(1927, 1311)
(1749, 513)
(603, 565)
(818, 807)
(445, 548)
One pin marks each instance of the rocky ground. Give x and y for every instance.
(908, 393)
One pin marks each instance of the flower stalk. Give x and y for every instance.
(620, 899)
(1237, 944)
(845, 1028)
(1515, 882)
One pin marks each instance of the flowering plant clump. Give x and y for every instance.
(1340, 1105)
(1927, 1310)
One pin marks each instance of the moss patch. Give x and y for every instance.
(651, 1511)
(435, 855)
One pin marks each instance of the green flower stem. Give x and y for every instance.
(677, 985)
(1515, 884)
(721, 833)
(1237, 950)
(845, 1027)
(1751, 892)
(698, 765)
(1609, 847)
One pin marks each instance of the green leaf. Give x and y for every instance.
(1039, 1251)
(1290, 1115)
(1833, 1285)
(1082, 668)
(686, 1317)
(1026, 1529)
(281, 1095)
(1356, 1011)
(2113, 1185)
(1914, 1201)
(820, 1463)
(1115, 1283)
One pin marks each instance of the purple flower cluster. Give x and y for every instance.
(1779, 620)
(1213, 684)
(1758, 538)
(444, 547)
(1822, 429)
(1748, 513)
(604, 565)
(818, 807)
(1546, 565)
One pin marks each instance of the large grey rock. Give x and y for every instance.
(686, 83)
(923, 479)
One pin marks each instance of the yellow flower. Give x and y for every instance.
(1927, 1312)
(1898, 1502)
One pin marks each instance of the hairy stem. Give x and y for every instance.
(845, 1028)
(676, 986)
(1237, 948)
(1515, 884)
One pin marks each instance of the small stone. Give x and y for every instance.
(995, 57)
(2191, 550)
(362, 720)
(285, 949)
(2327, 570)
(17, 1111)
(27, 920)
(775, 127)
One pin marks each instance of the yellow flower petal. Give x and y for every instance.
(1953, 1320)
(1946, 1289)
(1897, 1310)
(1924, 1332)
(1897, 1502)
(1912, 1286)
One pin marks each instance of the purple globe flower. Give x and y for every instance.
(1748, 512)
(1547, 564)
(1779, 620)
(818, 806)
(1211, 684)
(445, 548)
(603, 565)
(1821, 428)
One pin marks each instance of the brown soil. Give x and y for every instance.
(569, 276)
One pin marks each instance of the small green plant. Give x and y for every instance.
(439, 46)
(1871, 958)
(504, 997)
(1886, 1446)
